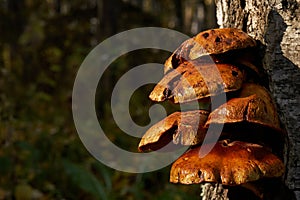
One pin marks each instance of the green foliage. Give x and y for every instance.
(84, 180)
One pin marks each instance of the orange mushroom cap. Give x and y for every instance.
(193, 81)
(253, 105)
(229, 163)
(185, 128)
(213, 42)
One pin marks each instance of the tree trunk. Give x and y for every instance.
(276, 24)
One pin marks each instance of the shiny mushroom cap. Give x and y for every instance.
(212, 42)
(185, 128)
(253, 105)
(250, 116)
(193, 81)
(229, 163)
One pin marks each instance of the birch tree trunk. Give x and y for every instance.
(276, 24)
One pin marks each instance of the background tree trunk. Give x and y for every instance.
(276, 24)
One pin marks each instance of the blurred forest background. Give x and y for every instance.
(43, 43)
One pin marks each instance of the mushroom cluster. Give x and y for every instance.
(250, 145)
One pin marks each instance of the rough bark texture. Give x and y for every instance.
(276, 24)
(214, 192)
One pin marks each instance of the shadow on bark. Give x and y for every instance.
(280, 69)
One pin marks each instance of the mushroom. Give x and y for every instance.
(229, 163)
(253, 104)
(194, 80)
(251, 141)
(223, 45)
(185, 128)
(250, 117)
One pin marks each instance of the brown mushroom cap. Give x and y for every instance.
(227, 163)
(192, 81)
(214, 41)
(254, 105)
(185, 128)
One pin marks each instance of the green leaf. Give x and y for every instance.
(105, 174)
(84, 179)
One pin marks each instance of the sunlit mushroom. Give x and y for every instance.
(251, 143)
(229, 163)
(250, 116)
(185, 128)
(193, 81)
(224, 45)
(253, 104)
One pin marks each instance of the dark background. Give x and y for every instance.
(42, 46)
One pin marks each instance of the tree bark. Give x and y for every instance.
(214, 192)
(275, 23)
